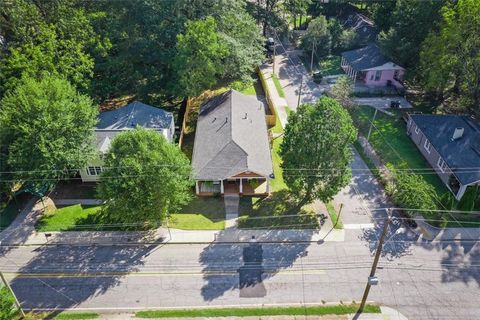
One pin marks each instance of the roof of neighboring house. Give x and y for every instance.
(231, 138)
(367, 57)
(362, 25)
(461, 155)
(129, 117)
(135, 114)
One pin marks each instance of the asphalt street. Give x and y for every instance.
(420, 279)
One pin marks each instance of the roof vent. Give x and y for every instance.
(246, 116)
(458, 133)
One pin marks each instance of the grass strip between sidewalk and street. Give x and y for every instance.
(278, 86)
(336, 221)
(266, 311)
(77, 316)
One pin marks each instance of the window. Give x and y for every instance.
(94, 171)
(427, 146)
(371, 77)
(417, 129)
(441, 165)
(378, 75)
(396, 74)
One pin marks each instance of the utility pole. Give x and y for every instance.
(311, 59)
(375, 261)
(274, 55)
(300, 91)
(13, 294)
(371, 124)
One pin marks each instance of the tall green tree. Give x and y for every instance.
(316, 150)
(146, 178)
(342, 91)
(317, 38)
(200, 54)
(8, 310)
(296, 8)
(450, 58)
(381, 13)
(411, 22)
(45, 130)
(52, 36)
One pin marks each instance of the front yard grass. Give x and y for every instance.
(277, 183)
(330, 65)
(257, 312)
(390, 141)
(278, 211)
(199, 214)
(77, 316)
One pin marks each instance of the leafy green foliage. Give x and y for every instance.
(8, 310)
(316, 150)
(342, 91)
(343, 39)
(317, 36)
(411, 22)
(146, 178)
(296, 8)
(200, 54)
(450, 58)
(45, 128)
(42, 39)
(410, 190)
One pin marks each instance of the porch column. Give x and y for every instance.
(221, 187)
(343, 62)
(354, 76)
(268, 186)
(197, 188)
(241, 185)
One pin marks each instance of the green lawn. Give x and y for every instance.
(337, 222)
(279, 211)
(71, 218)
(256, 312)
(199, 214)
(277, 184)
(390, 141)
(278, 86)
(330, 65)
(77, 316)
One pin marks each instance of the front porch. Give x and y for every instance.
(241, 186)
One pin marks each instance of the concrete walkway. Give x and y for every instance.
(232, 202)
(68, 202)
(279, 103)
(383, 102)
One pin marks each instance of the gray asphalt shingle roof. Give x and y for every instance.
(231, 138)
(461, 155)
(129, 117)
(133, 114)
(367, 57)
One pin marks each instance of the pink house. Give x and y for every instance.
(370, 67)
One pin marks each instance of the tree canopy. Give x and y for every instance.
(317, 36)
(145, 178)
(316, 150)
(450, 58)
(45, 129)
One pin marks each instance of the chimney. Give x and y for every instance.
(458, 133)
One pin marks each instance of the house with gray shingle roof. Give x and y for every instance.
(371, 67)
(231, 151)
(112, 123)
(451, 145)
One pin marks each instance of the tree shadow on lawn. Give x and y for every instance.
(36, 290)
(279, 211)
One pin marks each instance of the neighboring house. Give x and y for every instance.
(363, 27)
(111, 123)
(231, 152)
(451, 145)
(369, 66)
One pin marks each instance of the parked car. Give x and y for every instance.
(317, 77)
(270, 44)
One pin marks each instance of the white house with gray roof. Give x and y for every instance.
(120, 120)
(231, 152)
